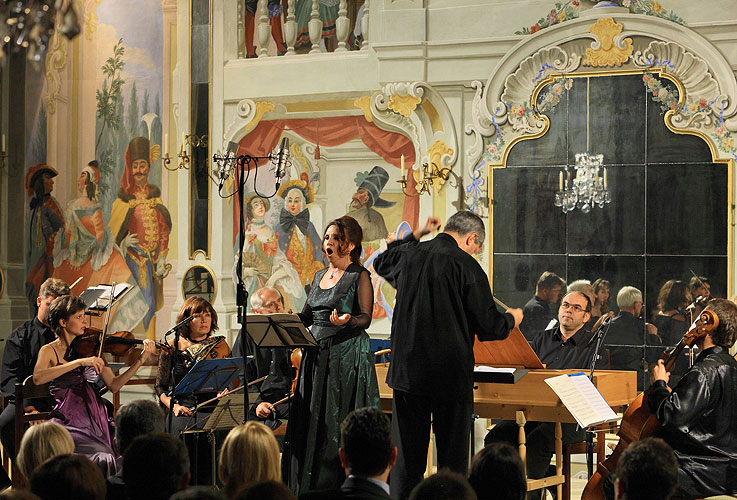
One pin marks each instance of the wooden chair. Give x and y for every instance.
(24, 391)
(581, 447)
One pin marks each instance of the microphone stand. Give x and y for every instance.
(172, 399)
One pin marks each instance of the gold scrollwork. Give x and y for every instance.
(435, 154)
(611, 51)
(403, 104)
(364, 104)
(262, 107)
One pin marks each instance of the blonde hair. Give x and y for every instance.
(42, 442)
(250, 454)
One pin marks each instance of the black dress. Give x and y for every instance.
(334, 379)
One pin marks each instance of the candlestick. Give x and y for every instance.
(605, 178)
(401, 165)
(3, 150)
(560, 181)
(166, 144)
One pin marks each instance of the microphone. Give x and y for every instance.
(178, 326)
(283, 146)
(223, 169)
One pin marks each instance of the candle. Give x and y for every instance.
(401, 165)
(166, 144)
(3, 150)
(604, 177)
(560, 181)
(422, 173)
(184, 139)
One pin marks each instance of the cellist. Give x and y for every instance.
(699, 417)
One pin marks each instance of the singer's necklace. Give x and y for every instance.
(333, 273)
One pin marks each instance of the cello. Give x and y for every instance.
(638, 422)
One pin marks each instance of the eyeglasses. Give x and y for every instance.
(577, 308)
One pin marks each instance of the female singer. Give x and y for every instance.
(338, 376)
(79, 406)
(195, 343)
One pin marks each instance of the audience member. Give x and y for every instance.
(198, 493)
(367, 455)
(267, 490)
(497, 473)
(155, 466)
(647, 470)
(41, 442)
(134, 419)
(10, 494)
(537, 313)
(250, 454)
(68, 477)
(445, 485)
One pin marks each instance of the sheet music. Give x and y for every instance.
(492, 369)
(582, 399)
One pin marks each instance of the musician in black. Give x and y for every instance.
(278, 380)
(537, 314)
(20, 355)
(567, 345)
(698, 417)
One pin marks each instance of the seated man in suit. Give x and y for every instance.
(367, 455)
(567, 345)
(628, 334)
(279, 376)
(536, 312)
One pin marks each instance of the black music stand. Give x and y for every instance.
(208, 375)
(279, 330)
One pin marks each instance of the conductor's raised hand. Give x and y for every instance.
(431, 224)
(339, 320)
(517, 313)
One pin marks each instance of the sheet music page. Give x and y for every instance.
(491, 369)
(582, 399)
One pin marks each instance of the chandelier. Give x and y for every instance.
(587, 188)
(29, 25)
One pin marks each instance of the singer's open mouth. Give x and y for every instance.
(329, 251)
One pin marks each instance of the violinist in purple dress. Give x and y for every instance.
(79, 407)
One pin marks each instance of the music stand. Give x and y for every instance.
(279, 330)
(208, 375)
(227, 414)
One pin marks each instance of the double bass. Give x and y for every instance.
(638, 421)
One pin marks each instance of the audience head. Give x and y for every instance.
(497, 473)
(366, 443)
(198, 493)
(136, 418)
(629, 299)
(68, 477)
(647, 470)
(267, 300)
(445, 485)
(155, 466)
(550, 287)
(673, 295)
(50, 290)
(725, 334)
(10, 494)
(468, 230)
(583, 286)
(41, 442)
(267, 490)
(348, 232)
(602, 288)
(574, 311)
(61, 309)
(192, 306)
(250, 454)
(700, 287)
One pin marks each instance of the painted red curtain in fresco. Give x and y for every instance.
(334, 132)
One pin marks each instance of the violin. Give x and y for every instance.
(118, 344)
(638, 422)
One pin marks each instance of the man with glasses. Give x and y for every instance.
(567, 345)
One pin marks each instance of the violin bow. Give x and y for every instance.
(107, 319)
(502, 304)
(217, 398)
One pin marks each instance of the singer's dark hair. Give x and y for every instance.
(195, 305)
(350, 232)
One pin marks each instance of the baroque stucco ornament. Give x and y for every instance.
(609, 48)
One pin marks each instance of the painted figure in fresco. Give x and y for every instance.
(298, 238)
(141, 225)
(44, 220)
(264, 263)
(275, 12)
(328, 12)
(85, 249)
(365, 198)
